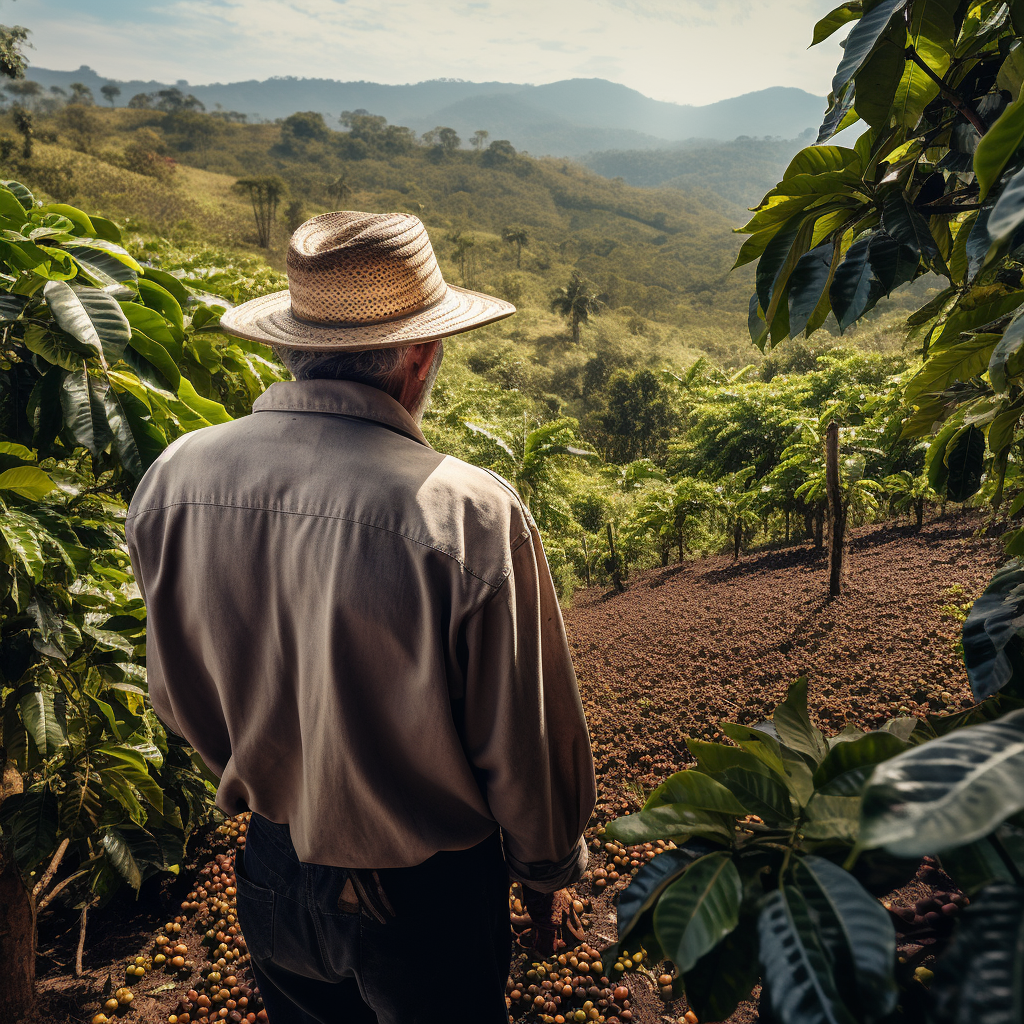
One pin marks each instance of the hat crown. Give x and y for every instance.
(350, 268)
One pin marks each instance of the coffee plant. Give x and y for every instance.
(103, 362)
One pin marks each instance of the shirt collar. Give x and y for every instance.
(339, 398)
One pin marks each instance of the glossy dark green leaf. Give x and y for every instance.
(794, 725)
(698, 910)
(761, 792)
(157, 357)
(808, 282)
(878, 81)
(652, 879)
(44, 721)
(839, 111)
(831, 819)
(762, 744)
(138, 441)
(672, 821)
(779, 259)
(90, 316)
(979, 979)
(947, 792)
(697, 791)
(29, 823)
(28, 481)
(907, 226)
(993, 633)
(120, 856)
(863, 39)
(756, 326)
(965, 460)
(24, 196)
(855, 288)
(85, 415)
(855, 931)
(794, 959)
(725, 976)
(847, 766)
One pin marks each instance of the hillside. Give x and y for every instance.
(567, 118)
(740, 171)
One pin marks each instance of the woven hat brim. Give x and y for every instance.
(269, 319)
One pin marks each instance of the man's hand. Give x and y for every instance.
(552, 914)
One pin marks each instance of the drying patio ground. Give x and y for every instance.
(684, 648)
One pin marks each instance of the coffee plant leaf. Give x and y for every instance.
(831, 819)
(965, 460)
(762, 793)
(694, 790)
(90, 316)
(795, 727)
(947, 792)
(698, 910)
(794, 959)
(979, 977)
(855, 931)
(119, 855)
(671, 821)
(847, 766)
(993, 634)
(726, 974)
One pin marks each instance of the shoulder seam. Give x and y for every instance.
(320, 515)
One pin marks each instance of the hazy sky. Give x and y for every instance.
(686, 51)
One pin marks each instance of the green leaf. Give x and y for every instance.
(671, 821)
(169, 283)
(651, 881)
(106, 229)
(832, 22)
(959, 362)
(878, 82)
(998, 144)
(77, 217)
(157, 297)
(965, 459)
(801, 986)
(762, 745)
(862, 40)
(832, 819)
(855, 286)
(28, 481)
(42, 721)
(794, 724)
(698, 910)
(1004, 218)
(23, 543)
(154, 326)
(158, 356)
(21, 192)
(855, 931)
(1009, 345)
(29, 821)
(103, 270)
(761, 792)
(808, 284)
(932, 35)
(697, 791)
(138, 441)
(847, 766)
(993, 633)
(90, 316)
(779, 259)
(211, 412)
(725, 976)
(824, 159)
(979, 977)
(120, 856)
(947, 792)
(84, 410)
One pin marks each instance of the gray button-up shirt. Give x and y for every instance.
(360, 636)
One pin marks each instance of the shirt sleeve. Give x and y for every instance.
(524, 725)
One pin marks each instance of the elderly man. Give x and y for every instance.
(361, 638)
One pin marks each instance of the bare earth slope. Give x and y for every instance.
(693, 644)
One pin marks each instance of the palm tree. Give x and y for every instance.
(576, 303)
(339, 190)
(515, 236)
(529, 460)
(265, 193)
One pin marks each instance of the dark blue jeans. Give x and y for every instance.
(318, 960)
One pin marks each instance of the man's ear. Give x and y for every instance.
(421, 357)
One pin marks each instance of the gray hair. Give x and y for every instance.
(379, 368)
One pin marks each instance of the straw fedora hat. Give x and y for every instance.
(362, 281)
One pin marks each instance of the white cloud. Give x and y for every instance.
(686, 51)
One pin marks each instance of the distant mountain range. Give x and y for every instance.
(569, 118)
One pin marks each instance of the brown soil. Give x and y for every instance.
(684, 648)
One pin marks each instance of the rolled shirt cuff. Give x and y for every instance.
(548, 875)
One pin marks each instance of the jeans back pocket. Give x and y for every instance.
(255, 913)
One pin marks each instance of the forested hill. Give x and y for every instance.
(567, 118)
(740, 171)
